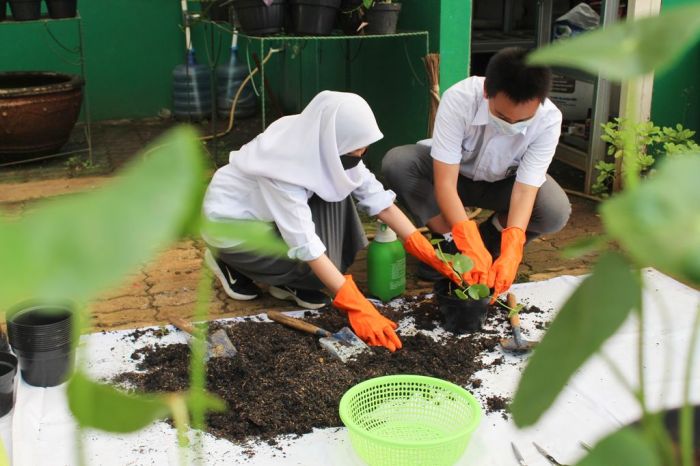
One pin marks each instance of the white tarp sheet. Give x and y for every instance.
(592, 404)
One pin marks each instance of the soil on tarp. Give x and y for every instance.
(282, 382)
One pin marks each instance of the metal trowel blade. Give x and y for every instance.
(344, 344)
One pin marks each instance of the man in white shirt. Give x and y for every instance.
(493, 141)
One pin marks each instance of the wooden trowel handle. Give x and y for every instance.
(512, 302)
(182, 324)
(297, 324)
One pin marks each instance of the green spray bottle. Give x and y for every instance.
(386, 264)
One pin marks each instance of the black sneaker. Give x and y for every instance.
(308, 299)
(429, 274)
(235, 284)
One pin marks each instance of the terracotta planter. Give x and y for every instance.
(37, 112)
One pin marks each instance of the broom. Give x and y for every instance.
(432, 68)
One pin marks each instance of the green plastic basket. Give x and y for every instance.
(406, 420)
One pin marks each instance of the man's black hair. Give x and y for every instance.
(508, 73)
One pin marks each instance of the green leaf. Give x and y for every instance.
(460, 294)
(585, 246)
(78, 246)
(590, 316)
(626, 447)
(625, 50)
(368, 3)
(461, 263)
(436, 241)
(479, 291)
(658, 223)
(519, 307)
(443, 256)
(103, 407)
(260, 237)
(207, 401)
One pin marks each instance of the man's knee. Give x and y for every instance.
(400, 162)
(554, 209)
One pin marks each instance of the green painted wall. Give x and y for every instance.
(676, 97)
(131, 47)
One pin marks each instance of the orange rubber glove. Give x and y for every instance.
(466, 236)
(421, 249)
(365, 320)
(503, 271)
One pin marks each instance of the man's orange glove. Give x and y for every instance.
(421, 249)
(503, 271)
(466, 236)
(365, 320)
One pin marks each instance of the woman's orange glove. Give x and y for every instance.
(503, 271)
(421, 249)
(365, 320)
(466, 236)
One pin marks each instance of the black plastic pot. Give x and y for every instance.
(37, 327)
(25, 10)
(62, 8)
(258, 19)
(8, 370)
(40, 336)
(458, 315)
(46, 368)
(313, 17)
(382, 18)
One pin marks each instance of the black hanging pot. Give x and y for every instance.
(25, 10)
(382, 18)
(313, 17)
(62, 8)
(260, 18)
(459, 315)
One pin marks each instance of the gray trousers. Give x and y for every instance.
(408, 170)
(340, 229)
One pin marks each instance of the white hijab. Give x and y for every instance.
(305, 149)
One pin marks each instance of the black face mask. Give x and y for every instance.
(349, 161)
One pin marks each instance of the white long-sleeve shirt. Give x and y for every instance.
(463, 135)
(232, 195)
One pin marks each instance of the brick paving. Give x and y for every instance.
(168, 284)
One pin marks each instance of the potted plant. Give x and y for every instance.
(25, 10)
(313, 17)
(381, 16)
(462, 306)
(351, 16)
(260, 17)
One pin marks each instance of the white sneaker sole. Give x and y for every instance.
(216, 270)
(285, 295)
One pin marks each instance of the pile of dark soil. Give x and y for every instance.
(283, 382)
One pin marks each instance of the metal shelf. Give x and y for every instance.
(265, 43)
(85, 147)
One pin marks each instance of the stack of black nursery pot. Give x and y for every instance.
(40, 336)
(27, 10)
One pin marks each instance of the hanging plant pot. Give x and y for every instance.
(259, 18)
(313, 17)
(62, 8)
(25, 10)
(382, 18)
(459, 315)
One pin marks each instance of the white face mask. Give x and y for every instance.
(508, 129)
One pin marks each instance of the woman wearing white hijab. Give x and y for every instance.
(300, 174)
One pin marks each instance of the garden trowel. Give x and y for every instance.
(344, 344)
(516, 344)
(218, 343)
